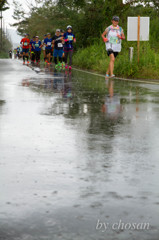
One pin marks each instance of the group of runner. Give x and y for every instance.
(59, 48)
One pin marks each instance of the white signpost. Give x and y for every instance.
(138, 30)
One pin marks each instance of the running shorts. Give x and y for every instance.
(110, 51)
(25, 50)
(48, 51)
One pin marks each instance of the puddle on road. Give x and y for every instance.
(90, 93)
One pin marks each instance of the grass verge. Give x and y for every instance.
(4, 55)
(95, 58)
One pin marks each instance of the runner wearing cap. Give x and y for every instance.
(37, 47)
(58, 47)
(43, 47)
(25, 48)
(32, 53)
(63, 42)
(69, 38)
(18, 52)
(112, 36)
(48, 47)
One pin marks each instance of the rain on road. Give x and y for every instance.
(79, 157)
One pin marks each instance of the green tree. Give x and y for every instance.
(5, 44)
(3, 5)
(20, 16)
(89, 18)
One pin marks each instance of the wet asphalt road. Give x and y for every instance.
(77, 153)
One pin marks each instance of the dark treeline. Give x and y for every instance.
(5, 44)
(3, 5)
(88, 18)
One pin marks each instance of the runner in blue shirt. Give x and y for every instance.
(18, 52)
(37, 49)
(63, 42)
(48, 47)
(32, 55)
(69, 38)
(43, 47)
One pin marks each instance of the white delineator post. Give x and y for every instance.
(131, 53)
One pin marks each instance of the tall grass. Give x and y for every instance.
(4, 55)
(95, 58)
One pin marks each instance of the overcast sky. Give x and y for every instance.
(8, 19)
(7, 16)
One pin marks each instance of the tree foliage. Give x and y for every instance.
(88, 17)
(5, 45)
(3, 5)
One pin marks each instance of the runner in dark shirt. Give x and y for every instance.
(58, 47)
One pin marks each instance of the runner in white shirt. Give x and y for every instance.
(112, 36)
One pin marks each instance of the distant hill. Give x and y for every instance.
(14, 37)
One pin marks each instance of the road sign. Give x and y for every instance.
(138, 30)
(132, 29)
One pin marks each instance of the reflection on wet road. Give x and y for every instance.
(77, 154)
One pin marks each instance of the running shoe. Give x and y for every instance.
(112, 76)
(56, 66)
(60, 66)
(63, 65)
(107, 76)
(66, 66)
(23, 63)
(70, 68)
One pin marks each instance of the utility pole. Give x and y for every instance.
(1, 29)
